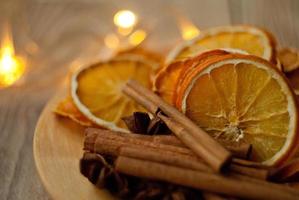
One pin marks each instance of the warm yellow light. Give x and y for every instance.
(11, 66)
(125, 19)
(188, 29)
(124, 31)
(111, 41)
(137, 37)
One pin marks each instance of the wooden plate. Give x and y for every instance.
(57, 147)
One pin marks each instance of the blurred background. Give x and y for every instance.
(41, 40)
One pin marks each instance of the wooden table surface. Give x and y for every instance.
(59, 34)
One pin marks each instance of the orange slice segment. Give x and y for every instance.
(97, 90)
(242, 97)
(250, 39)
(166, 80)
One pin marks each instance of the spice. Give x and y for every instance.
(100, 171)
(102, 174)
(157, 127)
(141, 123)
(138, 122)
(205, 181)
(110, 143)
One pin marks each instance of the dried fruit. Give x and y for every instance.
(289, 58)
(96, 90)
(167, 80)
(250, 39)
(242, 97)
(148, 54)
(67, 108)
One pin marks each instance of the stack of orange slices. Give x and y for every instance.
(241, 39)
(289, 58)
(226, 81)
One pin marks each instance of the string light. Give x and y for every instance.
(11, 66)
(125, 19)
(137, 37)
(187, 28)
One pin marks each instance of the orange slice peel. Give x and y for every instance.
(67, 108)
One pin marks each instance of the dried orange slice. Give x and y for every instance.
(148, 54)
(97, 90)
(166, 80)
(289, 58)
(243, 97)
(251, 39)
(67, 108)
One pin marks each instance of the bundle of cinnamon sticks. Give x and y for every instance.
(163, 158)
(189, 158)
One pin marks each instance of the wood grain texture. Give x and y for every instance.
(57, 151)
(18, 115)
(63, 28)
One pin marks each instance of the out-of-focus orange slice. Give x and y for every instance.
(243, 97)
(166, 80)
(289, 59)
(97, 90)
(251, 39)
(148, 54)
(67, 108)
(154, 57)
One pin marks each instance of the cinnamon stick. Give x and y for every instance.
(186, 161)
(100, 171)
(248, 163)
(240, 150)
(171, 158)
(189, 133)
(111, 144)
(213, 196)
(204, 181)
